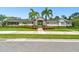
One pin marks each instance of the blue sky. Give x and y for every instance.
(23, 11)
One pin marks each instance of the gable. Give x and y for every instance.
(40, 18)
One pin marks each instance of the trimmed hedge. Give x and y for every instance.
(59, 27)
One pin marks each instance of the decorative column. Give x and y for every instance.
(59, 23)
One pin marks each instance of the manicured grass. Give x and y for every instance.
(16, 29)
(39, 36)
(28, 28)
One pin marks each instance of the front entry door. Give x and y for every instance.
(40, 23)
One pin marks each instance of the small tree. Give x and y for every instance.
(75, 22)
(76, 14)
(75, 19)
(56, 18)
(2, 17)
(64, 17)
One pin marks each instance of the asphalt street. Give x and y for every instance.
(29, 46)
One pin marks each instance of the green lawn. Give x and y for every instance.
(43, 36)
(16, 29)
(27, 28)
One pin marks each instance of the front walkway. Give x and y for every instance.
(40, 29)
(40, 32)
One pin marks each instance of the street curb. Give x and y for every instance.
(36, 40)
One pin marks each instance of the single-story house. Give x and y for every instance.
(35, 22)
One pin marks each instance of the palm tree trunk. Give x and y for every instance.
(45, 17)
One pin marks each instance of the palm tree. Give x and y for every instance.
(47, 13)
(33, 14)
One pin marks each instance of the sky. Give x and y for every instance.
(23, 11)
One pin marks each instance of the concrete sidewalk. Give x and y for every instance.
(40, 32)
(36, 40)
(39, 40)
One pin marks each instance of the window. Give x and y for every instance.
(13, 23)
(62, 23)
